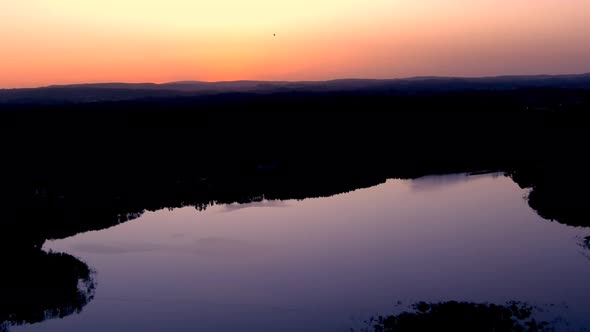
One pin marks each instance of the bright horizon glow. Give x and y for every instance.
(67, 41)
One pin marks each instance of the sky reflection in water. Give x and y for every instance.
(327, 264)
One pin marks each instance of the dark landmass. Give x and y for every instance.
(70, 167)
(100, 92)
(463, 316)
(37, 286)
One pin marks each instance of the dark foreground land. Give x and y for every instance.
(70, 167)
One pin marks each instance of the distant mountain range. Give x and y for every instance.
(101, 92)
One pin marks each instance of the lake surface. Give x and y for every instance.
(328, 264)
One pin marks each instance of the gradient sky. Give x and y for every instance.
(71, 41)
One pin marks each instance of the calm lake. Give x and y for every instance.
(328, 264)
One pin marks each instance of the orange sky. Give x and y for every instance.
(46, 42)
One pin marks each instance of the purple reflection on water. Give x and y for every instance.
(327, 264)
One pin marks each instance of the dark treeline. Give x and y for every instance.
(71, 168)
(156, 153)
(37, 286)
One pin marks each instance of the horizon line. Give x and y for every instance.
(424, 77)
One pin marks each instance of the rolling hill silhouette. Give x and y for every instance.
(97, 92)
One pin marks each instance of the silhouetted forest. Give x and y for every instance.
(69, 168)
(37, 286)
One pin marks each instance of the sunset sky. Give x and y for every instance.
(71, 41)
